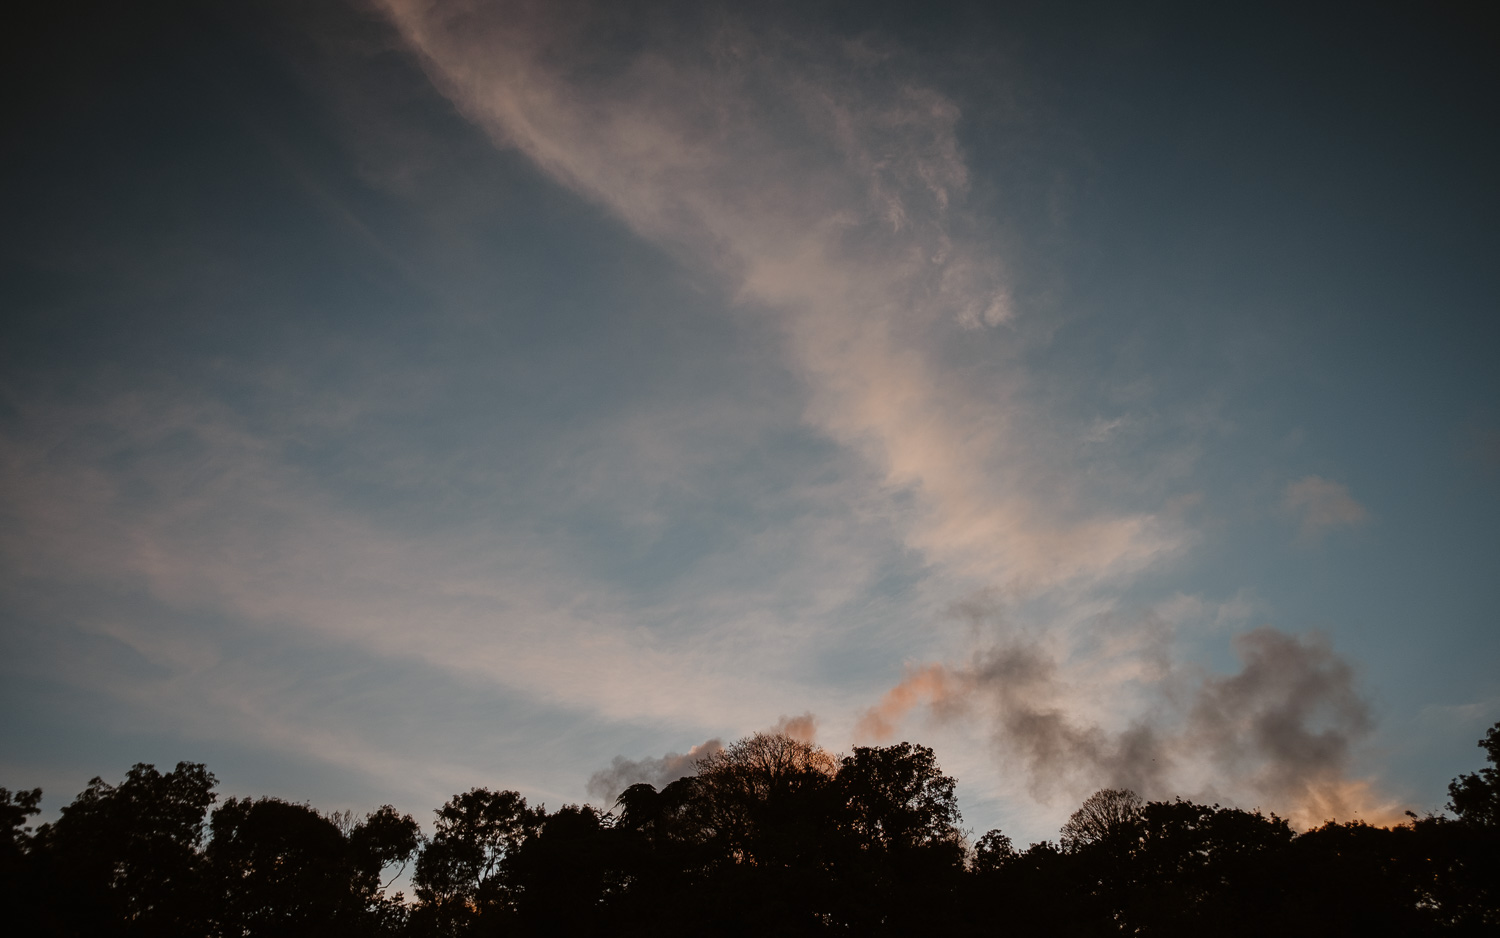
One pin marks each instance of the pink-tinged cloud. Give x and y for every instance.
(827, 190)
(803, 727)
(236, 532)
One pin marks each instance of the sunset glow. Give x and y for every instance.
(404, 396)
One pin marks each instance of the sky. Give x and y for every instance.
(403, 396)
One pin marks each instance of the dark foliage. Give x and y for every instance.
(126, 858)
(284, 869)
(1476, 797)
(460, 878)
(772, 836)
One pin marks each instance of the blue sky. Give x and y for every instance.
(402, 397)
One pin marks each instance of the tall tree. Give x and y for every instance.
(282, 869)
(129, 852)
(900, 848)
(459, 877)
(566, 875)
(15, 809)
(898, 798)
(19, 877)
(384, 839)
(762, 792)
(1101, 813)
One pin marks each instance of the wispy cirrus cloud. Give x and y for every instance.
(824, 185)
(826, 188)
(175, 510)
(616, 564)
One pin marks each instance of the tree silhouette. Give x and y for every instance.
(765, 802)
(992, 852)
(283, 869)
(564, 876)
(460, 875)
(382, 840)
(902, 851)
(129, 852)
(1475, 798)
(15, 809)
(757, 782)
(19, 879)
(1101, 813)
(771, 837)
(1194, 869)
(898, 798)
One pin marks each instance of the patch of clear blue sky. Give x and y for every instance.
(1272, 233)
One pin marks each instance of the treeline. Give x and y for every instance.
(772, 836)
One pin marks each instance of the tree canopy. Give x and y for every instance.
(1475, 798)
(770, 836)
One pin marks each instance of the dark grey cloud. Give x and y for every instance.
(1288, 720)
(606, 784)
(1281, 732)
